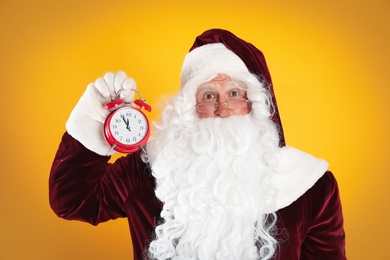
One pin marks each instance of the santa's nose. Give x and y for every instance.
(222, 110)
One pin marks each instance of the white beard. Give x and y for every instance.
(215, 186)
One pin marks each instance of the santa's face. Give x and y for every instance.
(221, 97)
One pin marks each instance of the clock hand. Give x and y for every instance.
(124, 119)
(126, 122)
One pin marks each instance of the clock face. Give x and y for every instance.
(128, 126)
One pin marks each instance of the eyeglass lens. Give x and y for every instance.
(213, 106)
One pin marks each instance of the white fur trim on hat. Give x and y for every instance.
(208, 60)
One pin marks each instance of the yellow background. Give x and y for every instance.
(328, 60)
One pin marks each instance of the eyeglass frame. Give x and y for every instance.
(226, 103)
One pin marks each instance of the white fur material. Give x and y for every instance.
(210, 59)
(295, 173)
(85, 122)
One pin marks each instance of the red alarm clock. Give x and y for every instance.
(126, 129)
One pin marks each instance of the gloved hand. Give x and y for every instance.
(85, 122)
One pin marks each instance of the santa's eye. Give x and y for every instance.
(208, 96)
(236, 93)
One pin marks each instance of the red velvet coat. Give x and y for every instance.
(84, 186)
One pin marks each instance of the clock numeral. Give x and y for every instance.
(127, 140)
(141, 128)
(117, 120)
(116, 132)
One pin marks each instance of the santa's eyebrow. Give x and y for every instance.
(230, 84)
(205, 87)
(233, 84)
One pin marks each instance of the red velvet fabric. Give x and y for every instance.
(254, 60)
(84, 186)
(312, 226)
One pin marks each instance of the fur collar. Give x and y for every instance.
(295, 172)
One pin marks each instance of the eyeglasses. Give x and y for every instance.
(231, 104)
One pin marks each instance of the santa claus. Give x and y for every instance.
(216, 179)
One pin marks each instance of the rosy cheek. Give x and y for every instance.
(243, 111)
(205, 115)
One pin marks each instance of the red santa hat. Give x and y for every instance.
(220, 51)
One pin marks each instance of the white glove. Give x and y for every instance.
(85, 123)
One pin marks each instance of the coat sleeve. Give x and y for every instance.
(85, 186)
(325, 238)
(312, 226)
